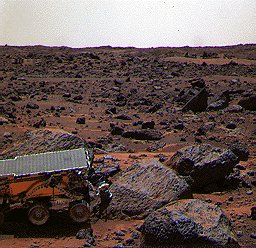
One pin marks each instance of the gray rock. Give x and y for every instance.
(146, 186)
(204, 164)
(188, 222)
(43, 141)
(31, 105)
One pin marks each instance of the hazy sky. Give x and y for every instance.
(140, 23)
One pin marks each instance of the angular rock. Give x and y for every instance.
(146, 186)
(111, 110)
(240, 150)
(148, 125)
(248, 103)
(204, 164)
(143, 134)
(197, 103)
(188, 222)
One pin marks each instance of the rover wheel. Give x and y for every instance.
(79, 212)
(38, 214)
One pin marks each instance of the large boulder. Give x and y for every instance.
(145, 134)
(248, 103)
(188, 222)
(43, 141)
(204, 164)
(197, 103)
(146, 186)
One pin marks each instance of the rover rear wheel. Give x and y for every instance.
(38, 214)
(79, 212)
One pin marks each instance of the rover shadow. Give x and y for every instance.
(59, 225)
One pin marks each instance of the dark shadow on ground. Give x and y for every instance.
(58, 225)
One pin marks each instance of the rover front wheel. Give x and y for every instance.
(38, 214)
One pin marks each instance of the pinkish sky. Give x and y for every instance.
(139, 23)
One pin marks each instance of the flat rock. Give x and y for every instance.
(146, 186)
(43, 141)
(145, 134)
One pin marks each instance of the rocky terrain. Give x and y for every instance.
(175, 128)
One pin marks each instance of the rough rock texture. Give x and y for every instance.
(240, 150)
(44, 141)
(192, 222)
(146, 186)
(204, 164)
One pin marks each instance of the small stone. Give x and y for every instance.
(80, 120)
(34, 246)
(135, 235)
(253, 235)
(119, 234)
(7, 135)
(179, 126)
(67, 95)
(249, 192)
(231, 125)
(239, 234)
(130, 241)
(78, 98)
(31, 105)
